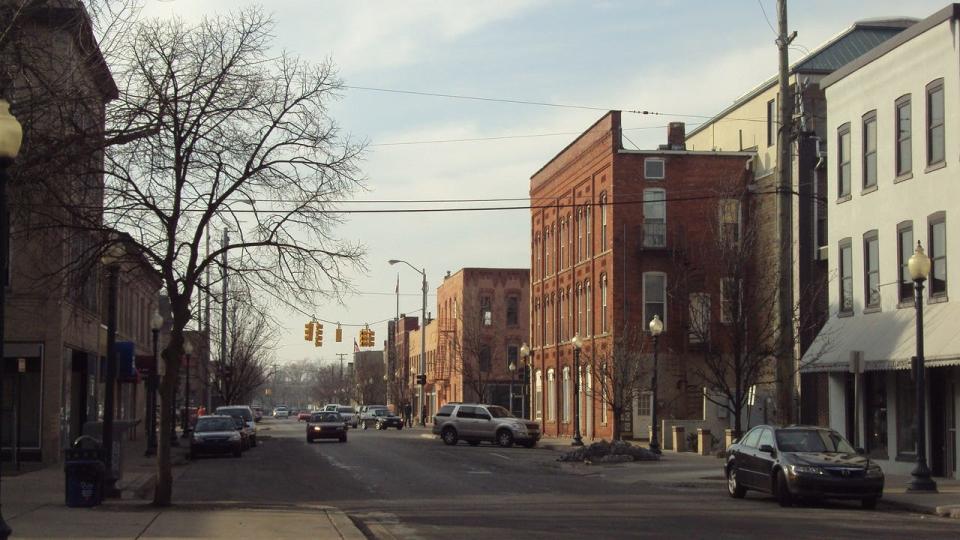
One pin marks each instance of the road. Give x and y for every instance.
(405, 484)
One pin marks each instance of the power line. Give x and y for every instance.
(505, 137)
(760, 3)
(313, 316)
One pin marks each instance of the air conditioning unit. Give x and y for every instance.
(822, 253)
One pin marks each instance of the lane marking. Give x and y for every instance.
(500, 456)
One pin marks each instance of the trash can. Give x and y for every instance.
(84, 470)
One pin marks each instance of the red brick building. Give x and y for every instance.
(613, 232)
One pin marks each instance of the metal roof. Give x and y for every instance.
(846, 49)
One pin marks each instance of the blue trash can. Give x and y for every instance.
(84, 470)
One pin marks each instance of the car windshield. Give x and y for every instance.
(214, 424)
(381, 412)
(326, 417)
(236, 411)
(812, 440)
(499, 412)
(346, 410)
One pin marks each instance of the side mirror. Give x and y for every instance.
(861, 451)
(768, 449)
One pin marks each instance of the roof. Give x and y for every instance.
(850, 44)
(887, 340)
(952, 11)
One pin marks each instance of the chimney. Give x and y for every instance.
(676, 136)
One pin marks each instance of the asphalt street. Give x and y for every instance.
(405, 484)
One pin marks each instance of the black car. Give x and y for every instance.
(326, 425)
(800, 462)
(215, 435)
(384, 419)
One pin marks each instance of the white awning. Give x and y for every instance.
(887, 339)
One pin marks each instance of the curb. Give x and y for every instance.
(947, 511)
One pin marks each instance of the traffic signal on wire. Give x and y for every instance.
(308, 331)
(339, 334)
(318, 338)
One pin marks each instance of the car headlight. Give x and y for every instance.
(806, 469)
(234, 436)
(316, 428)
(874, 472)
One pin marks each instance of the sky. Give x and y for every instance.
(686, 59)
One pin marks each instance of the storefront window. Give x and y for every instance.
(875, 413)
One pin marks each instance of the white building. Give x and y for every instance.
(894, 179)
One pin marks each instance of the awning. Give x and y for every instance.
(887, 339)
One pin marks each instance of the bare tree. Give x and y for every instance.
(330, 385)
(622, 376)
(251, 340)
(221, 125)
(474, 355)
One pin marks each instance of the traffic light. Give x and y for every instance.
(421, 379)
(308, 331)
(339, 334)
(370, 338)
(366, 337)
(318, 339)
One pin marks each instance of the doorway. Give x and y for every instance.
(643, 408)
(942, 422)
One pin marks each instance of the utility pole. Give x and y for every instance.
(785, 362)
(208, 395)
(223, 317)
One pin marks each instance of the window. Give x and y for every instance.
(588, 300)
(538, 267)
(935, 128)
(546, 248)
(603, 303)
(699, 317)
(579, 325)
(843, 161)
(766, 437)
(654, 169)
(644, 403)
(486, 315)
(603, 222)
(513, 310)
(871, 270)
(485, 356)
(538, 395)
(579, 235)
(937, 242)
(466, 411)
(588, 224)
(567, 394)
(553, 318)
(570, 305)
(563, 320)
(906, 415)
(905, 251)
(752, 439)
(513, 356)
(604, 398)
(729, 300)
(654, 218)
(870, 149)
(771, 122)
(846, 276)
(904, 151)
(875, 413)
(654, 297)
(730, 221)
(536, 319)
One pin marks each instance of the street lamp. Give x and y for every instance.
(525, 357)
(156, 323)
(513, 368)
(656, 328)
(111, 260)
(11, 135)
(919, 267)
(422, 370)
(577, 345)
(185, 424)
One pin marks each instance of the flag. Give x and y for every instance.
(356, 348)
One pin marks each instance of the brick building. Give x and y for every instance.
(614, 235)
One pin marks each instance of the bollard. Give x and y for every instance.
(704, 442)
(679, 439)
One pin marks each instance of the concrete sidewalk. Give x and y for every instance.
(34, 507)
(688, 470)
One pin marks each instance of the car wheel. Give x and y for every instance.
(505, 438)
(733, 486)
(449, 436)
(309, 440)
(399, 427)
(782, 492)
(473, 443)
(869, 503)
(529, 444)
(343, 438)
(364, 425)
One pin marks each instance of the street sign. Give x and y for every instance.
(856, 362)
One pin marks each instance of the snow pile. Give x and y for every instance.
(605, 452)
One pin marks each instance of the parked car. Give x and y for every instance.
(245, 413)
(384, 419)
(303, 416)
(257, 414)
(800, 462)
(215, 434)
(364, 415)
(477, 422)
(281, 412)
(326, 425)
(347, 413)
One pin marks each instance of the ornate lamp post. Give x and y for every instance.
(185, 424)
(919, 267)
(577, 345)
(525, 358)
(111, 260)
(513, 369)
(11, 135)
(156, 323)
(656, 328)
(422, 369)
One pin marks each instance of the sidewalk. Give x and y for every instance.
(688, 470)
(33, 506)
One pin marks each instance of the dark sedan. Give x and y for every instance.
(800, 462)
(326, 425)
(215, 435)
(384, 419)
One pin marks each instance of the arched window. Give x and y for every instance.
(562, 330)
(579, 234)
(536, 269)
(553, 318)
(570, 324)
(579, 324)
(560, 238)
(603, 222)
(589, 302)
(603, 303)
(551, 395)
(543, 317)
(588, 224)
(538, 395)
(549, 240)
(567, 395)
(536, 319)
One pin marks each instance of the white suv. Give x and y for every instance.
(477, 422)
